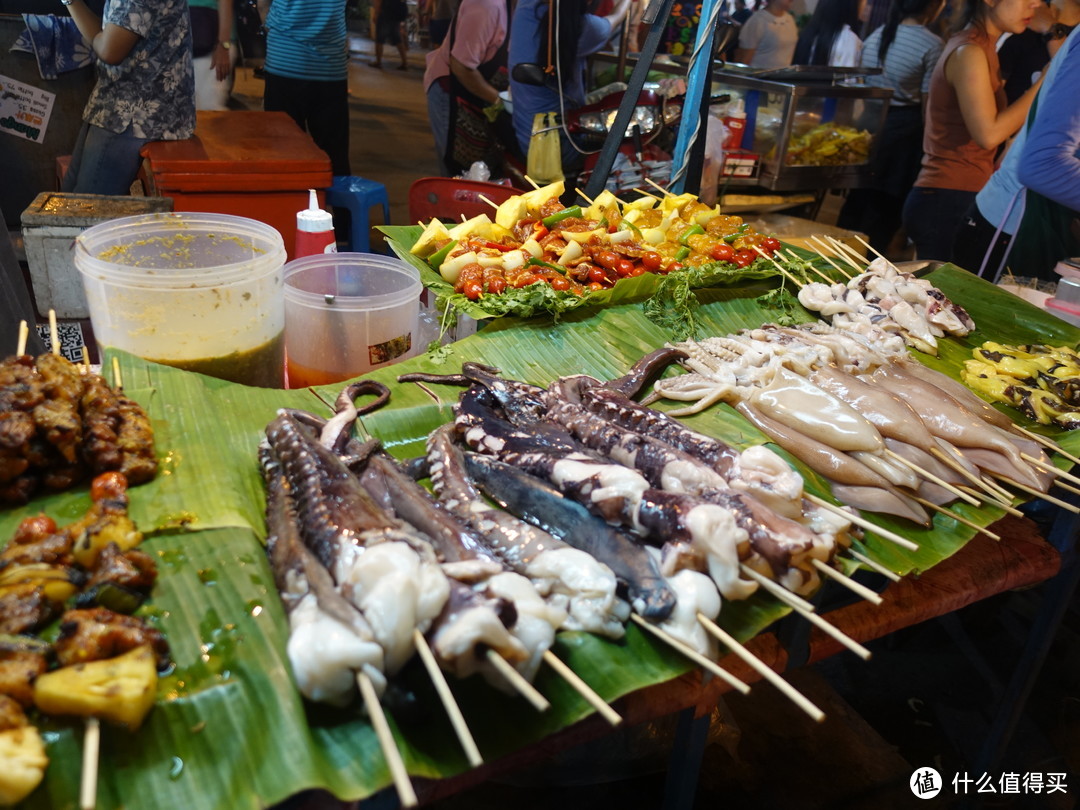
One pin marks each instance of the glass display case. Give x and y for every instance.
(806, 130)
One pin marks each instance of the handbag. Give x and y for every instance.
(544, 163)
(204, 30)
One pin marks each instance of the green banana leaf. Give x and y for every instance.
(229, 730)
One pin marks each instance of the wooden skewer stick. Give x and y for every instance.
(858, 259)
(858, 520)
(517, 680)
(874, 565)
(780, 267)
(118, 381)
(829, 261)
(658, 187)
(1066, 487)
(1036, 494)
(90, 755)
(839, 254)
(870, 247)
(24, 335)
(958, 518)
(929, 476)
(585, 197)
(645, 193)
(394, 762)
(790, 692)
(85, 360)
(457, 720)
(531, 182)
(1003, 493)
(993, 493)
(1049, 444)
(582, 688)
(492, 203)
(796, 257)
(853, 586)
(842, 251)
(776, 589)
(835, 632)
(54, 333)
(692, 654)
(1050, 468)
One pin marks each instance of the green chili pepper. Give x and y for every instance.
(534, 262)
(603, 222)
(691, 231)
(682, 253)
(436, 259)
(731, 237)
(624, 225)
(566, 213)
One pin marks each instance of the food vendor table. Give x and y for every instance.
(246, 163)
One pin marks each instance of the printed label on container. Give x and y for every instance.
(390, 349)
(24, 109)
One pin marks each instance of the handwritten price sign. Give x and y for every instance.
(24, 110)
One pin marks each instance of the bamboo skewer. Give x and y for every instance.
(1050, 468)
(858, 520)
(796, 257)
(767, 672)
(874, 565)
(840, 253)
(645, 193)
(118, 381)
(870, 247)
(517, 680)
(583, 196)
(24, 335)
(993, 492)
(457, 720)
(54, 333)
(582, 688)
(531, 182)
(779, 267)
(1004, 494)
(848, 250)
(90, 756)
(85, 359)
(658, 187)
(777, 590)
(855, 587)
(820, 244)
(1067, 488)
(492, 203)
(958, 518)
(835, 632)
(1036, 494)
(929, 476)
(394, 762)
(1049, 444)
(692, 654)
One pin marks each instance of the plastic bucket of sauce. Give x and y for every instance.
(201, 292)
(348, 313)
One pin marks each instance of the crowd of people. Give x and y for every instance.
(968, 78)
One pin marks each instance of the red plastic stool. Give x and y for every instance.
(450, 198)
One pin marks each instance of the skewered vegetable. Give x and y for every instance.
(1042, 381)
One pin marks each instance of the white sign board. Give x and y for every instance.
(24, 109)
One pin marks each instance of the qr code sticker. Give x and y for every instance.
(71, 340)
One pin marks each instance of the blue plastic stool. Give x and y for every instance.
(358, 196)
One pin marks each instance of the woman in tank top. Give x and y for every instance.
(966, 121)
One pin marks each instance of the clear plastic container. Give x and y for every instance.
(348, 313)
(202, 292)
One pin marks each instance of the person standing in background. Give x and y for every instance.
(767, 39)
(441, 13)
(967, 119)
(307, 62)
(906, 51)
(145, 89)
(388, 28)
(214, 67)
(829, 38)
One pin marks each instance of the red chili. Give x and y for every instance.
(498, 246)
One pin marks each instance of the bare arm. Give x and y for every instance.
(744, 55)
(112, 43)
(472, 81)
(617, 14)
(968, 72)
(220, 59)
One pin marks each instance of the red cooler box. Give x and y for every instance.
(246, 163)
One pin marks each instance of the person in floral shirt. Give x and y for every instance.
(145, 89)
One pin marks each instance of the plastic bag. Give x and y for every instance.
(544, 163)
(715, 135)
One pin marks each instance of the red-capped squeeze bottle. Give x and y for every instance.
(314, 229)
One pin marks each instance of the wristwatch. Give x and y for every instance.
(67, 2)
(226, 44)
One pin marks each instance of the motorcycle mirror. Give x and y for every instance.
(529, 73)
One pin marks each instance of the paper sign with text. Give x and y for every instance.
(24, 109)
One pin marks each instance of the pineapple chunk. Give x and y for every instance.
(121, 690)
(22, 763)
(119, 529)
